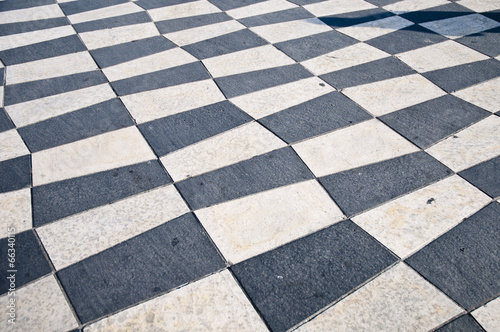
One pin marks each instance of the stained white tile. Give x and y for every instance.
(15, 211)
(470, 146)
(373, 29)
(31, 14)
(413, 5)
(397, 300)
(257, 58)
(456, 27)
(119, 35)
(278, 32)
(485, 95)
(254, 224)
(106, 12)
(32, 111)
(334, 7)
(194, 35)
(40, 306)
(215, 303)
(33, 37)
(222, 150)
(193, 8)
(344, 58)
(77, 237)
(99, 153)
(260, 8)
(11, 145)
(390, 95)
(358, 145)
(154, 104)
(268, 101)
(481, 5)
(489, 315)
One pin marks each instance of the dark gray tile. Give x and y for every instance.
(305, 2)
(231, 4)
(156, 261)
(464, 323)
(292, 14)
(152, 4)
(356, 17)
(381, 3)
(177, 131)
(93, 120)
(15, 173)
(191, 22)
(5, 123)
(464, 263)
(21, 27)
(314, 117)
(271, 170)
(2, 76)
(494, 15)
(361, 188)
(290, 283)
(487, 42)
(75, 7)
(29, 262)
(61, 199)
(485, 176)
(112, 22)
(436, 13)
(13, 5)
(426, 123)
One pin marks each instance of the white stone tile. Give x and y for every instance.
(397, 300)
(341, 150)
(470, 146)
(344, 58)
(409, 223)
(413, 5)
(49, 68)
(215, 303)
(32, 111)
(481, 5)
(148, 64)
(11, 145)
(489, 315)
(222, 150)
(439, 56)
(33, 37)
(106, 12)
(334, 7)
(278, 32)
(373, 29)
(268, 101)
(485, 95)
(119, 35)
(15, 212)
(40, 306)
(257, 58)
(154, 104)
(456, 27)
(390, 95)
(260, 8)
(193, 8)
(31, 14)
(254, 224)
(95, 154)
(194, 35)
(77, 237)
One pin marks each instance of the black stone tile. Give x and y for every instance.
(370, 72)
(271, 170)
(112, 22)
(94, 120)
(364, 187)
(13, 5)
(463, 76)
(437, 13)
(113, 55)
(21, 27)
(287, 15)
(152, 4)
(290, 283)
(464, 263)
(29, 262)
(356, 17)
(485, 176)
(494, 15)
(301, 49)
(15, 173)
(381, 3)
(179, 130)
(5, 123)
(80, 6)
(314, 117)
(2, 76)
(240, 84)
(191, 22)
(61, 199)
(487, 42)
(426, 123)
(231, 42)
(156, 261)
(463, 323)
(231, 4)
(47, 49)
(160, 79)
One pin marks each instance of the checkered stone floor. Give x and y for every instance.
(250, 165)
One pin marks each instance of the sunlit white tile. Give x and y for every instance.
(260, 8)
(334, 7)
(485, 95)
(188, 9)
(194, 35)
(488, 315)
(15, 212)
(373, 29)
(106, 12)
(278, 32)
(31, 14)
(119, 35)
(11, 145)
(404, 6)
(33, 37)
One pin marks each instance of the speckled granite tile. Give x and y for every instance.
(118, 35)
(30, 14)
(279, 32)
(12, 145)
(485, 176)
(481, 5)
(456, 27)
(405, 6)
(191, 8)
(373, 29)
(15, 173)
(15, 211)
(333, 7)
(32, 37)
(198, 34)
(485, 95)
(464, 323)
(105, 12)
(260, 8)
(489, 315)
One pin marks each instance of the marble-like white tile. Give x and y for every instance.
(188, 9)
(154, 104)
(11, 145)
(194, 35)
(470, 146)
(77, 237)
(413, 5)
(257, 58)
(49, 68)
(33, 37)
(481, 5)
(215, 303)
(31, 14)
(489, 315)
(40, 306)
(358, 145)
(106, 12)
(334, 7)
(439, 56)
(148, 64)
(278, 32)
(268, 101)
(248, 226)
(15, 212)
(260, 8)
(118, 35)
(390, 95)
(95, 154)
(409, 223)
(32, 111)
(344, 58)
(397, 300)
(456, 27)
(373, 29)
(221, 150)
(485, 95)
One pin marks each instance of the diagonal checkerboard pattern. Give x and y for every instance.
(250, 165)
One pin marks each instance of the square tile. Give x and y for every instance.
(485, 95)
(461, 26)
(485, 176)
(37, 36)
(405, 6)
(15, 173)
(260, 8)
(30, 14)
(231, 4)
(488, 314)
(114, 36)
(198, 34)
(449, 10)
(191, 22)
(191, 8)
(280, 32)
(481, 5)
(333, 7)
(292, 14)
(15, 212)
(375, 28)
(486, 42)
(12, 145)
(105, 12)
